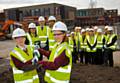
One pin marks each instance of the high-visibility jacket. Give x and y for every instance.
(100, 41)
(43, 34)
(21, 76)
(32, 39)
(71, 43)
(109, 39)
(83, 43)
(51, 40)
(77, 38)
(62, 74)
(91, 40)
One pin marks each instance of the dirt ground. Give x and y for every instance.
(80, 73)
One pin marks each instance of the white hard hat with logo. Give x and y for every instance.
(51, 18)
(41, 18)
(60, 26)
(32, 25)
(110, 28)
(99, 30)
(18, 33)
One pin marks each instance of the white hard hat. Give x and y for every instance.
(72, 33)
(51, 18)
(106, 27)
(91, 29)
(87, 29)
(59, 26)
(110, 28)
(99, 30)
(32, 25)
(18, 33)
(78, 27)
(95, 27)
(83, 30)
(41, 18)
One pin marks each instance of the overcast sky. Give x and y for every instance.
(80, 4)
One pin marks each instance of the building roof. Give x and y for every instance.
(40, 5)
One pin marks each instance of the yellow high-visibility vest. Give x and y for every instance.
(21, 76)
(62, 74)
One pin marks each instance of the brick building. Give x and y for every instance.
(62, 12)
(96, 16)
(70, 15)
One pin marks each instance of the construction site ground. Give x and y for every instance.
(80, 73)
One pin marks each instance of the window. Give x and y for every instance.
(37, 12)
(32, 12)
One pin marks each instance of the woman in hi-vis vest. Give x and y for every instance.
(24, 70)
(58, 67)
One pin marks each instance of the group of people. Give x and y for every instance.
(53, 42)
(41, 41)
(93, 45)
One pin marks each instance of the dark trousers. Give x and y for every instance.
(74, 56)
(99, 57)
(90, 58)
(108, 57)
(82, 56)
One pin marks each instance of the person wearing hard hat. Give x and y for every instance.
(77, 38)
(91, 40)
(72, 44)
(51, 21)
(83, 44)
(100, 39)
(105, 30)
(95, 29)
(43, 32)
(21, 59)
(110, 46)
(58, 67)
(32, 39)
(87, 30)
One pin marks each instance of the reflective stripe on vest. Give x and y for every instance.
(100, 41)
(89, 50)
(19, 55)
(51, 40)
(62, 71)
(51, 43)
(16, 71)
(19, 75)
(68, 70)
(43, 36)
(28, 80)
(55, 80)
(110, 40)
(71, 43)
(94, 49)
(29, 38)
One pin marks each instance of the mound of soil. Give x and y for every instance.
(95, 74)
